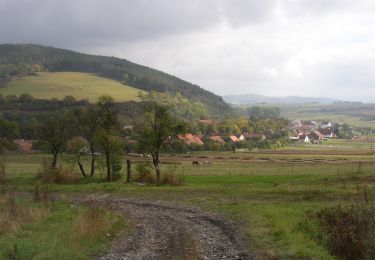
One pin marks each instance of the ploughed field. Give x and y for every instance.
(267, 197)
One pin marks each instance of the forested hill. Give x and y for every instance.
(25, 59)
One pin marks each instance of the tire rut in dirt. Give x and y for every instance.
(165, 231)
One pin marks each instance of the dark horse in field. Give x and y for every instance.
(195, 163)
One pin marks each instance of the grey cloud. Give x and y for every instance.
(92, 21)
(245, 12)
(224, 45)
(72, 23)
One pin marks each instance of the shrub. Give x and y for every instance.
(170, 176)
(116, 169)
(144, 173)
(349, 232)
(60, 175)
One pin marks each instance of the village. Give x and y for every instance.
(296, 131)
(310, 131)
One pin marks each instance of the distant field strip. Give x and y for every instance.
(49, 85)
(323, 116)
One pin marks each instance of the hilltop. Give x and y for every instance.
(29, 59)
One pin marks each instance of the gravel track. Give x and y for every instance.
(166, 231)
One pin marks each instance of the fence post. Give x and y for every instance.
(129, 165)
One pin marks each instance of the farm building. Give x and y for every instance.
(217, 138)
(190, 139)
(315, 136)
(24, 146)
(304, 138)
(327, 133)
(326, 124)
(234, 138)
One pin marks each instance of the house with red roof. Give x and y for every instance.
(217, 138)
(190, 139)
(234, 138)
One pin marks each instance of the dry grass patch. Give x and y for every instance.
(3, 168)
(91, 222)
(60, 175)
(14, 216)
(349, 231)
(92, 225)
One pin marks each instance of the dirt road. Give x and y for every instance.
(166, 231)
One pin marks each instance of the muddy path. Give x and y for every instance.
(166, 231)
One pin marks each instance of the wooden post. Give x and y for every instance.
(129, 165)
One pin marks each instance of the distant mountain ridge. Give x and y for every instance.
(26, 59)
(248, 99)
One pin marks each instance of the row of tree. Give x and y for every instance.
(96, 128)
(97, 124)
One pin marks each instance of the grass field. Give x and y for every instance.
(48, 85)
(269, 195)
(304, 113)
(341, 119)
(54, 230)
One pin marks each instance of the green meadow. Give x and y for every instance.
(269, 201)
(54, 229)
(48, 85)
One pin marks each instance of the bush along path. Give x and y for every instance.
(166, 231)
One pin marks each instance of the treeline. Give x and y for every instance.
(179, 105)
(260, 112)
(25, 108)
(81, 128)
(29, 59)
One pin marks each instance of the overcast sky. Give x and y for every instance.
(272, 47)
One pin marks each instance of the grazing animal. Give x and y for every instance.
(195, 163)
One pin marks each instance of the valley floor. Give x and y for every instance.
(269, 197)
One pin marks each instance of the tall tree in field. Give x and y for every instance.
(89, 124)
(158, 126)
(109, 123)
(54, 132)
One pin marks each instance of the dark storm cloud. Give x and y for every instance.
(72, 23)
(92, 21)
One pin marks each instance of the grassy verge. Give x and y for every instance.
(54, 230)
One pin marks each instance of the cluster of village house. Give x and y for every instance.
(190, 139)
(299, 131)
(200, 139)
(310, 131)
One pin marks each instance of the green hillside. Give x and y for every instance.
(47, 85)
(26, 59)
